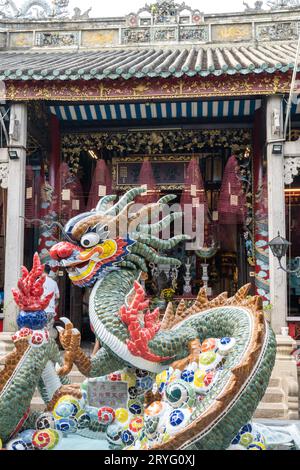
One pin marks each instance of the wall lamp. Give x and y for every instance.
(13, 154)
(279, 247)
(277, 149)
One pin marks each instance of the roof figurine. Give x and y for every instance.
(283, 4)
(164, 12)
(37, 9)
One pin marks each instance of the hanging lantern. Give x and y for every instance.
(232, 205)
(146, 179)
(101, 184)
(193, 195)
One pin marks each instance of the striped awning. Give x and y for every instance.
(159, 110)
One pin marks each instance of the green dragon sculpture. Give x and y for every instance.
(108, 249)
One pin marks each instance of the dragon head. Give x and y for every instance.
(113, 237)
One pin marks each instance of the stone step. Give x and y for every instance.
(76, 377)
(271, 411)
(274, 395)
(275, 382)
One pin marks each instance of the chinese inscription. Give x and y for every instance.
(107, 393)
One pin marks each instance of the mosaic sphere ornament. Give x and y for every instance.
(180, 393)
(66, 425)
(45, 421)
(246, 439)
(46, 439)
(39, 338)
(257, 446)
(188, 375)
(34, 320)
(144, 383)
(133, 392)
(136, 424)
(209, 360)
(63, 410)
(135, 409)
(114, 434)
(225, 345)
(83, 420)
(93, 413)
(115, 377)
(178, 419)
(210, 344)
(27, 437)
(17, 444)
(106, 415)
(141, 373)
(69, 403)
(127, 437)
(129, 377)
(122, 415)
(203, 381)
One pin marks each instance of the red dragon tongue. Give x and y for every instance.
(138, 344)
(29, 295)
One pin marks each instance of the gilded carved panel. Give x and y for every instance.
(232, 32)
(105, 37)
(22, 39)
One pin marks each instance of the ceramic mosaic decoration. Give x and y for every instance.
(194, 379)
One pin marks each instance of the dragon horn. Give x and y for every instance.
(103, 203)
(125, 200)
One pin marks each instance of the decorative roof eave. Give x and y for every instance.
(75, 76)
(148, 63)
(149, 89)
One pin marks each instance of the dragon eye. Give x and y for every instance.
(89, 240)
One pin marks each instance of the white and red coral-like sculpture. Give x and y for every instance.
(140, 336)
(29, 295)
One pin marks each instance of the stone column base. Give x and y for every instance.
(281, 400)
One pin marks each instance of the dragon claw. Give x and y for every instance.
(70, 339)
(66, 321)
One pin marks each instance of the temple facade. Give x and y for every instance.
(168, 97)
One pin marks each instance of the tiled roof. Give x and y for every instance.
(151, 62)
